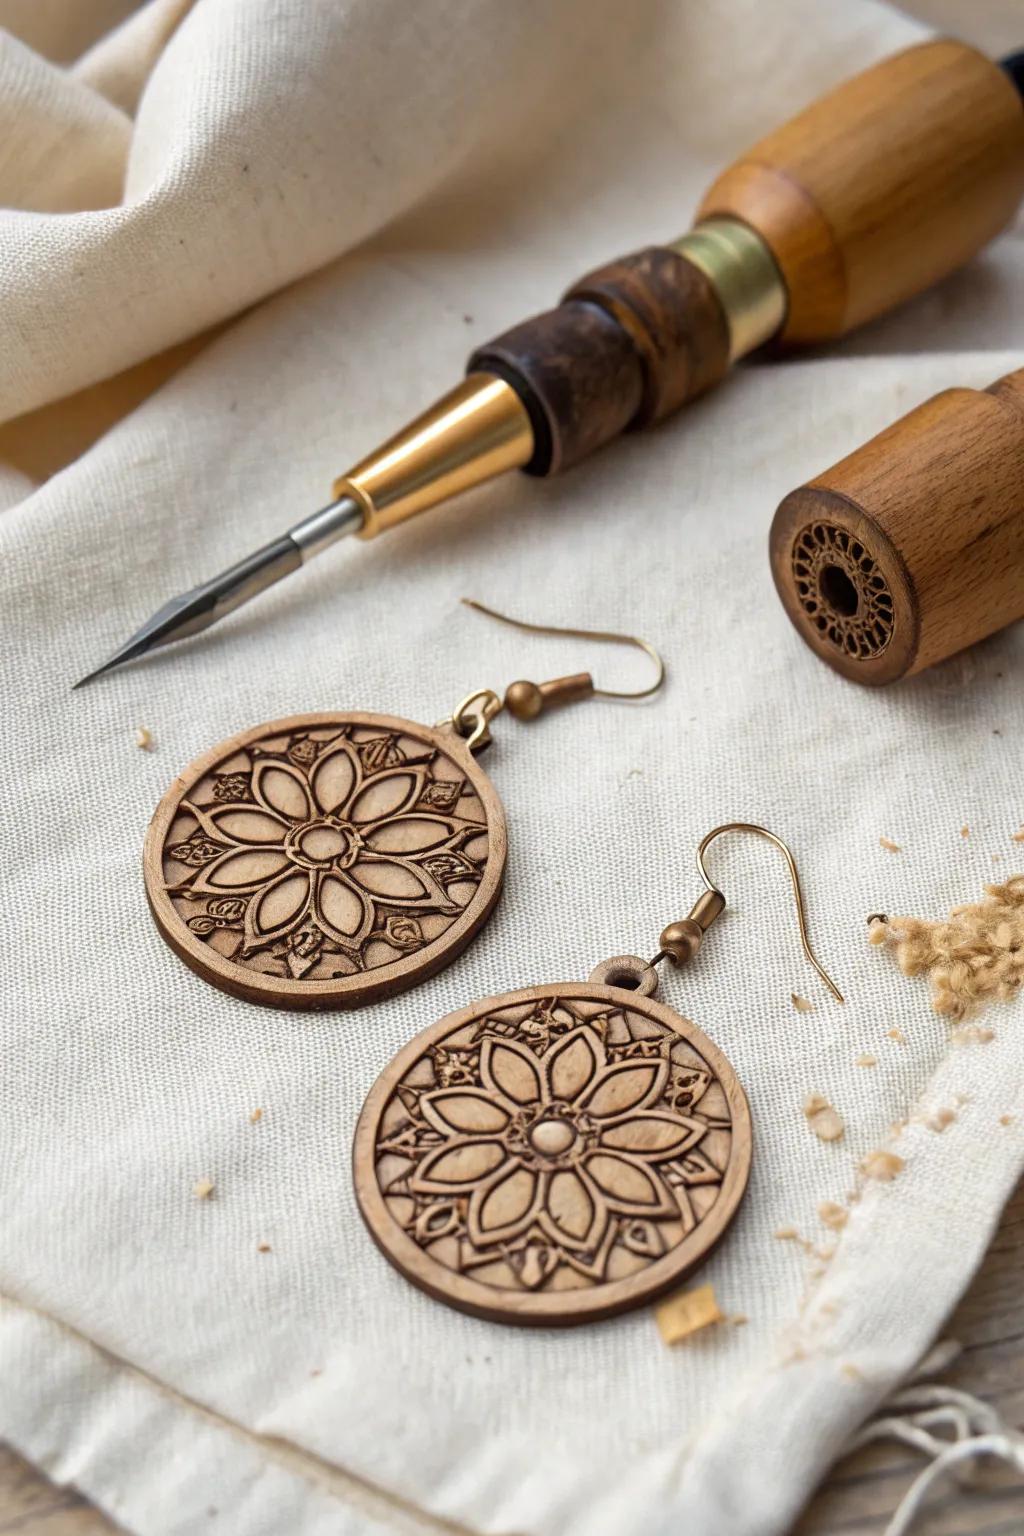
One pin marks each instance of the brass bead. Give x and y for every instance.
(524, 700)
(681, 940)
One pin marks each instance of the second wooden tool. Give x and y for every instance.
(912, 548)
(881, 188)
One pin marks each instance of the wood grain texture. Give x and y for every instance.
(676, 321)
(912, 547)
(327, 860)
(856, 1498)
(882, 187)
(554, 1155)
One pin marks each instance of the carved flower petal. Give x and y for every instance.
(505, 1206)
(335, 777)
(575, 1212)
(508, 1068)
(572, 1063)
(624, 1086)
(247, 824)
(630, 1186)
(410, 834)
(458, 1166)
(281, 788)
(463, 1111)
(240, 869)
(342, 912)
(278, 908)
(400, 883)
(653, 1135)
(387, 794)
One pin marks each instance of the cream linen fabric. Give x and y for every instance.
(161, 179)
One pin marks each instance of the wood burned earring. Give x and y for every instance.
(327, 860)
(565, 1152)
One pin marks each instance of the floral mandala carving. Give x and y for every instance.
(550, 1148)
(322, 852)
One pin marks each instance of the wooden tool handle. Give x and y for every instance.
(883, 186)
(912, 548)
(877, 191)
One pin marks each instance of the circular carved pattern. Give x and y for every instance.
(326, 860)
(842, 591)
(553, 1155)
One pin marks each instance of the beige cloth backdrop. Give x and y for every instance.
(355, 192)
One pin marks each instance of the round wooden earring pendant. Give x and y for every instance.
(325, 861)
(554, 1155)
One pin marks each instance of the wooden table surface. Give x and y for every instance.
(859, 1495)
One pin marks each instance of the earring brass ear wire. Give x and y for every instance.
(525, 700)
(681, 940)
(327, 860)
(563, 1152)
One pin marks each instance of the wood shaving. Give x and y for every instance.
(881, 1166)
(801, 1004)
(833, 1215)
(143, 738)
(203, 1188)
(973, 958)
(687, 1312)
(889, 845)
(973, 1034)
(865, 1059)
(786, 1234)
(898, 1036)
(738, 1319)
(825, 1121)
(256, 1115)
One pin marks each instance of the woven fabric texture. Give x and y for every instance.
(243, 240)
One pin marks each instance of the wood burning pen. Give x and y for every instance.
(878, 190)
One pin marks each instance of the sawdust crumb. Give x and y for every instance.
(203, 1188)
(851, 1372)
(1018, 836)
(897, 1035)
(738, 1319)
(825, 1121)
(939, 1119)
(801, 1004)
(687, 1312)
(317, 1371)
(973, 1034)
(263, 1248)
(1005, 1119)
(786, 1234)
(833, 1214)
(256, 1115)
(882, 1166)
(965, 831)
(865, 1059)
(144, 738)
(889, 846)
(878, 928)
(826, 1255)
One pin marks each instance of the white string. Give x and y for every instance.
(970, 1432)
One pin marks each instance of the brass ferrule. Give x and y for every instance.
(743, 272)
(681, 940)
(475, 432)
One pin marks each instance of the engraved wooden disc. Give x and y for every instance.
(553, 1155)
(326, 860)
